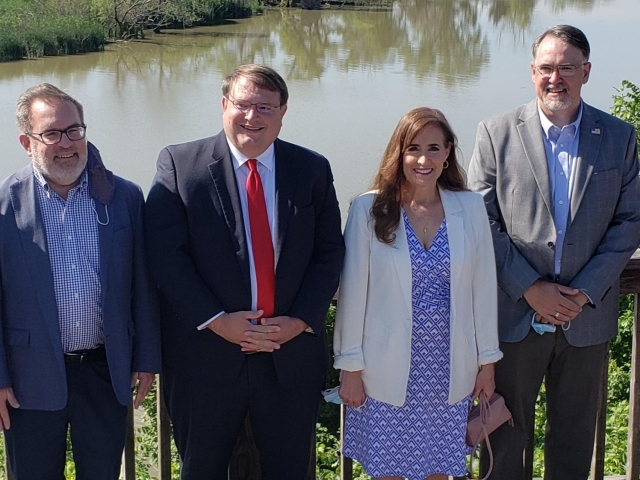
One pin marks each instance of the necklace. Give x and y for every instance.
(425, 218)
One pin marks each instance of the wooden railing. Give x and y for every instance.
(245, 464)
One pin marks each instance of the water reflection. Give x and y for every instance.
(441, 39)
(512, 14)
(558, 6)
(351, 75)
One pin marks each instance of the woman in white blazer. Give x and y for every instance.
(416, 327)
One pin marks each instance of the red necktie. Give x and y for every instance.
(261, 243)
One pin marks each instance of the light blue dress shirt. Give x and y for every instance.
(561, 148)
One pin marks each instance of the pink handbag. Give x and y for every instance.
(483, 419)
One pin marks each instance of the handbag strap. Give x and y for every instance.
(489, 450)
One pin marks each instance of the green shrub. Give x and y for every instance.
(626, 104)
(30, 29)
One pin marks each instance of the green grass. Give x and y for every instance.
(29, 30)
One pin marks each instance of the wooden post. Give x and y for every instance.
(164, 434)
(630, 283)
(346, 464)
(633, 448)
(311, 472)
(7, 465)
(129, 448)
(245, 460)
(597, 462)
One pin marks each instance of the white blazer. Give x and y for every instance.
(374, 315)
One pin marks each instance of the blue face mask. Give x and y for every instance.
(331, 395)
(542, 328)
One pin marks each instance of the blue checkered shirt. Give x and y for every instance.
(74, 253)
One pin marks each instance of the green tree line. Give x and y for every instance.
(35, 28)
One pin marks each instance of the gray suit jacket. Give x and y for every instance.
(31, 356)
(509, 168)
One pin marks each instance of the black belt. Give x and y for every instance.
(86, 356)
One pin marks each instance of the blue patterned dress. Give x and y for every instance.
(426, 435)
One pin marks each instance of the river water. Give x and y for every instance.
(351, 76)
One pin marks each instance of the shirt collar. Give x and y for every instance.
(547, 124)
(84, 180)
(266, 158)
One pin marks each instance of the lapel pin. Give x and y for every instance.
(595, 131)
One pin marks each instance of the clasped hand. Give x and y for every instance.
(554, 303)
(237, 327)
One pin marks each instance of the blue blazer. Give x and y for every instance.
(31, 356)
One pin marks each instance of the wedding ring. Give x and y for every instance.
(557, 314)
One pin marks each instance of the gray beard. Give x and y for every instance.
(556, 105)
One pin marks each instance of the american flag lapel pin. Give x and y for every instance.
(595, 131)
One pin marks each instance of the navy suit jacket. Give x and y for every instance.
(198, 255)
(31, 355)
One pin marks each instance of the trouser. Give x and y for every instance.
(572, 377)
(207, 420)
(37, 440)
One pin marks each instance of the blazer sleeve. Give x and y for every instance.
(145, 312)
(5, 378)
(515, 274)
(322, 274)
(167, 237)
(484, 289)
(349, 327)
(622, 236)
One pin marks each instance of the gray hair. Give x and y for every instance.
(568, 34)
(260, 75)
(44, 92)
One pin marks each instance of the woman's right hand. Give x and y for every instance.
(351, 389)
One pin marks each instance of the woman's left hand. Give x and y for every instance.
(485, 381)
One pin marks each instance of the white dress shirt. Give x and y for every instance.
(267, 170)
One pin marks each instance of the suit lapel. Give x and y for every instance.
(34, 242)
(591, 132)
(286, 183)
(455, 235)
(224, 191)
(402, 260)
(531, 136)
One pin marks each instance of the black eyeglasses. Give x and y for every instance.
(261, 108)
(546, 71)
(51, 137)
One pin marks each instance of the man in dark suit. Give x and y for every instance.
(245, 243)
(561, 187)
(79, 318)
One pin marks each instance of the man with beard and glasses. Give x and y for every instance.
(79, 324)
(560, 183)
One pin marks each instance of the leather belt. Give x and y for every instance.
(86, 356)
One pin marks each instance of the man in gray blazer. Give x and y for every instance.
(560, 183)
(79, 322)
